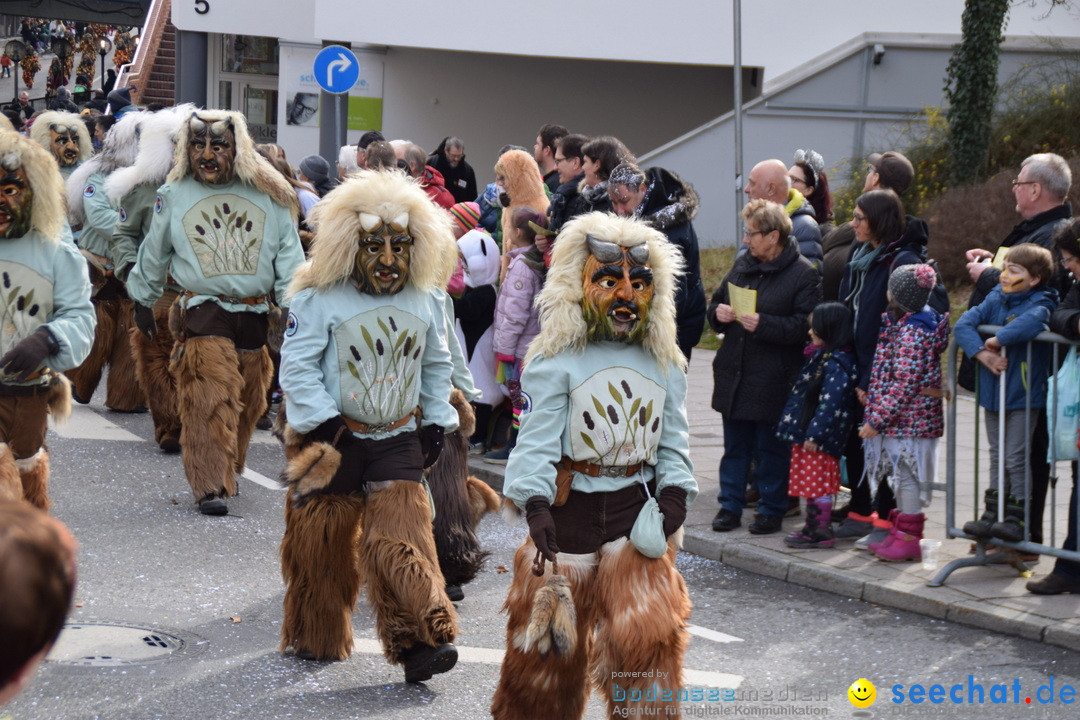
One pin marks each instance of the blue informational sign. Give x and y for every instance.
(336, 69)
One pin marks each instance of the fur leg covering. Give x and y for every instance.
(458, 549)
(34, 474)
(10, 483)
(152, 372)
(405, 587)
(257, 370)
(482, 499)
(318, 564)
(533, 686)
(208, 385)
(643, 606)
(85, 378)
(123, 391)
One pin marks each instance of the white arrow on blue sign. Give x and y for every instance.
(336, 69)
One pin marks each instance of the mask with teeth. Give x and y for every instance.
(211, 150)
(64, 143)
(618, 285)
(383, 256)
(16, 198)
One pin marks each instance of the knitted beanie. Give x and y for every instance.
(910, 286)
(466, 215)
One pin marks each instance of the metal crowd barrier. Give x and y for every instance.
(1005, 552)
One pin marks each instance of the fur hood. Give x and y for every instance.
(48, 214)
(39, 131)
(388, 194)
(249, 166)
(524, 184)
(157, 143)
(669, 201)
(119, 150)
(562, 326)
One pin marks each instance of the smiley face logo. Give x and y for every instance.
(862, 693)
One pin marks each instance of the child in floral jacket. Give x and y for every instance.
(903, 416)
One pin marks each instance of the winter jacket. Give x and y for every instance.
(516, 320)
(908, 249)
(904, 399)
(431, 180)
(1066, 318)
(564, 204)
(833, 412)
(590, 199)
(491, 212)
(669, 206)
(1039, 229)
(835, 249)
(753, 372)
(804, 227)
(1023, 316)
(459, 180)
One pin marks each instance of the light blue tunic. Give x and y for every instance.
(100, 217)
(610, 405)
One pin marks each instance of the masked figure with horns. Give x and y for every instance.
(366, 372)
(65, 136)
(48, 321)
(224, 228)
(604, 503)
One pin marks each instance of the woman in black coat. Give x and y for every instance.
(755, 368)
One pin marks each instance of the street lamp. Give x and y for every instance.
(16, 50)
(104, 46)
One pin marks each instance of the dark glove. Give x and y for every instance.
(144, 320)
(347, 480)
(431, 442)
(541, 526)
(22, 360)
(672, 502)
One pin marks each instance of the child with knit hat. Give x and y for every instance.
(903, 417)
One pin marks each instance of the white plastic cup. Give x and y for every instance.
(929, 549)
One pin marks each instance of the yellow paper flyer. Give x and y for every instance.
(743, 300)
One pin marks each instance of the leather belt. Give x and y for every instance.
(249, 301)
(374, 428)
(592, 470)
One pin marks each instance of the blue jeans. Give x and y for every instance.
(746, 441)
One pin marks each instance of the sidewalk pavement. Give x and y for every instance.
(992, 597)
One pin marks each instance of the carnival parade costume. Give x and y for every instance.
(366, 372)
(224, 228)
(48, 321)
(605, 504)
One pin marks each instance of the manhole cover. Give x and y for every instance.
(109, 645)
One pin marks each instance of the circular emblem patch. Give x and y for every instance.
(158, 204)
(524, 403)
(89, 191)
(123, 214)
(291, 325)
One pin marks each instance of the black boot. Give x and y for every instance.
(981, 528)
(1011, 528)
(422, 661)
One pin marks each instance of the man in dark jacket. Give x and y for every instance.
(768, 180)
(449, 159)
(544, 153)
(564, 201)
(663, 200)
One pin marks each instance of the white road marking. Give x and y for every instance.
(487, 656)
(260, 479)
(85, 424)
(712, 634)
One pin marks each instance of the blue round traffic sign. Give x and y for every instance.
(336, 69)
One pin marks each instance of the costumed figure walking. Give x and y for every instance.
(48, 321)
(89, 207)
(133, 190)
(366, 373)
(604, 504)
(65, 136)
(224, 227)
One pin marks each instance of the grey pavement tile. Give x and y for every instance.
(828, 578)
(992, 617)
(1063, 634)
(750, 557)
(933, 602)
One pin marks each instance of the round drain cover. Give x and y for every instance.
(108, 645)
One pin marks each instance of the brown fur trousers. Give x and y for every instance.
(631, 614)
(325, 555)
(112, 347)
(152, 370)
(221, 393)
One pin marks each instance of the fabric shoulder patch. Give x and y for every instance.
(158, 204)
(291, 325)
(123, 214)
(89, 191)
(525, 403)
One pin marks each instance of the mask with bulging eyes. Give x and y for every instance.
(383, 256)
(64, 143)
(618, 287)
(16, 198)
(211, 150)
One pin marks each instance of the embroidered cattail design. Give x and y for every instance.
(34, 310)
(225, 207)
(240, 222)
(355, 352)
(613, 415)
(641, 416)
(626, 389)
(248, 226)
(217, 224)
(393, 326)
(7, 280)
(379, 347)
(655, 424)
(588, 420)
(408, 345)
(200, 229)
